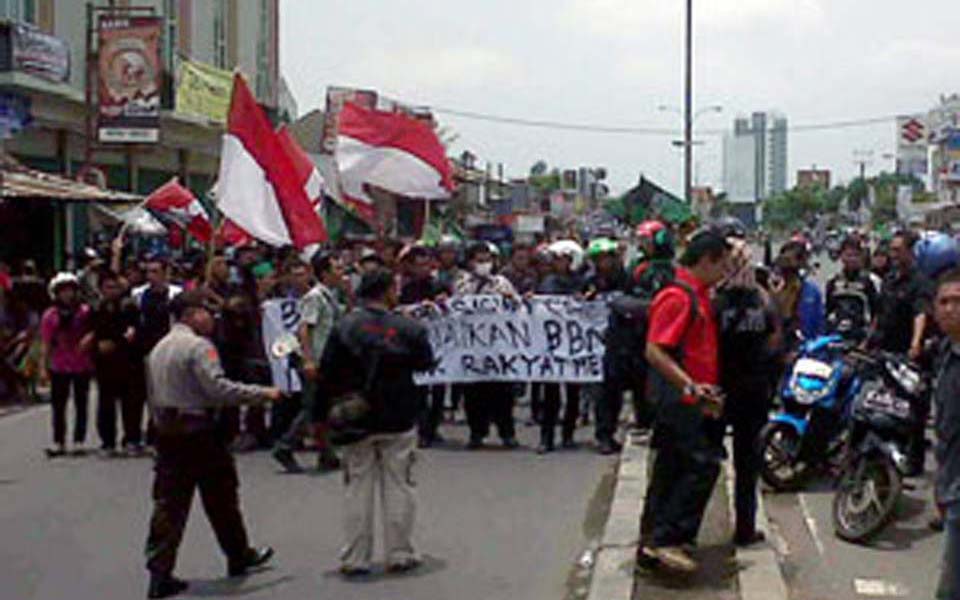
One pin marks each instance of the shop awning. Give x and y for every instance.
(19, 182)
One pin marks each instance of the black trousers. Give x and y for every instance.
(677, 495)
(551, 410)
(431, 410)
(60, 386)
(487, 403)
(917, 448)
(185, 463)
(748, 408)
(616, 383)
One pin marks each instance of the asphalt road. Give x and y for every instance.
(493, 524)
(903, 562)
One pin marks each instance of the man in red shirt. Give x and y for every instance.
(682, 350)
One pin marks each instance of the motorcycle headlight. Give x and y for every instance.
(808, 390)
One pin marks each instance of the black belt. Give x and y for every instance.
(186, 420)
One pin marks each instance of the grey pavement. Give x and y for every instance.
(493, 524)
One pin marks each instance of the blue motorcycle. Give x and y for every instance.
(816, 394)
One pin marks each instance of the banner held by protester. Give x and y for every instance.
(492, 338)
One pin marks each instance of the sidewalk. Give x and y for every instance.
(726, 573)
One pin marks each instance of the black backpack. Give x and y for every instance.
(629, 320)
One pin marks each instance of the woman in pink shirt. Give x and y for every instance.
(66, 362)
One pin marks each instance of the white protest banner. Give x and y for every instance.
(281, 316)
(492, 338)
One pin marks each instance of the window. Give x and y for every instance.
(170, 35)
(19, 10)
(220, 34)
(263, 51)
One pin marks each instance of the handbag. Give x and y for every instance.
(350, 412)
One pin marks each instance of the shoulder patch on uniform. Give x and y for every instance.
(212, 355)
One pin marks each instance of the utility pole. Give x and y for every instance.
(688, 111)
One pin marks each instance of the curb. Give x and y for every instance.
(760, 577)
(616, 557)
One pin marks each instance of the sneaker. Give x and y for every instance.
(328, 460)
(287, 460)
(936, 524)
(56, 451)
(254, 557)
(511, 443)
(748, 539)
(164, 586)
(78, 450)
(405, 566)
(354, 572)
(675, 558)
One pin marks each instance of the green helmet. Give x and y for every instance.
(601, 246)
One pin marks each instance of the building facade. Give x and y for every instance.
(755, 162)
(229, 34)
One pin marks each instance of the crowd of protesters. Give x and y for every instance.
(720, 328)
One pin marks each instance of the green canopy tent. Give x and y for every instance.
(648, 201)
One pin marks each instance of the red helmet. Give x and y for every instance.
(649, 228)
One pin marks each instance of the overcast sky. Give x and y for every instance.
(613, 62)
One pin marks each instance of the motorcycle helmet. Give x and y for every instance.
(601, 246)
(61, 279)
(569, 249)
(731, 227)
(655, 238)
(935, 253)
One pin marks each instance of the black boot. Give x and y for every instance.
(164, 586)
(546, 442)
(254, 557)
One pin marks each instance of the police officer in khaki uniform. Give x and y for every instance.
(187, 388)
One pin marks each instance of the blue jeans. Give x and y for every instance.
(949, 588)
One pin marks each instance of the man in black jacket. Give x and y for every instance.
(375, 352)
(946, 397)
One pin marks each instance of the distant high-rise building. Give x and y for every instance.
(755, 162)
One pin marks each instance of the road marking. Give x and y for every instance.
(811, 524)
(879, 587)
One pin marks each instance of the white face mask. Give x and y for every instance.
(483, 269)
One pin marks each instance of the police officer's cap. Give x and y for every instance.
(188, 300)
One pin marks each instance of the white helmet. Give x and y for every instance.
(61, 279)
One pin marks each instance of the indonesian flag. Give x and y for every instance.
(259, 187)
(307, 173)
(392, 151)
(173, 204)
(230, 234)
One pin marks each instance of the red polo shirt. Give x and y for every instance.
(670, 325)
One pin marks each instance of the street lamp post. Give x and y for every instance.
(688, 111)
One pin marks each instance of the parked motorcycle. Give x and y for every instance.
(816, 395)
(879, 433)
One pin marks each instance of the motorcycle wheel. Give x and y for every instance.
(866, 497)
(779, 446)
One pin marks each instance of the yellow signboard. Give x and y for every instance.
(204, 91)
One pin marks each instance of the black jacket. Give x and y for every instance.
(946, 398)
(385, 349)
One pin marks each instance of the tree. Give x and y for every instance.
(539, 168)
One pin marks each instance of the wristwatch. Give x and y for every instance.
(690, 390)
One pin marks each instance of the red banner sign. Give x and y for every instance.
(129, 74)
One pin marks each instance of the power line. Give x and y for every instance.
(554, 124)
(632, 130)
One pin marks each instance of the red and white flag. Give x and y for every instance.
(230, 234)
(258, 186)
(390, 150)
(173, 204)
(307, 172)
